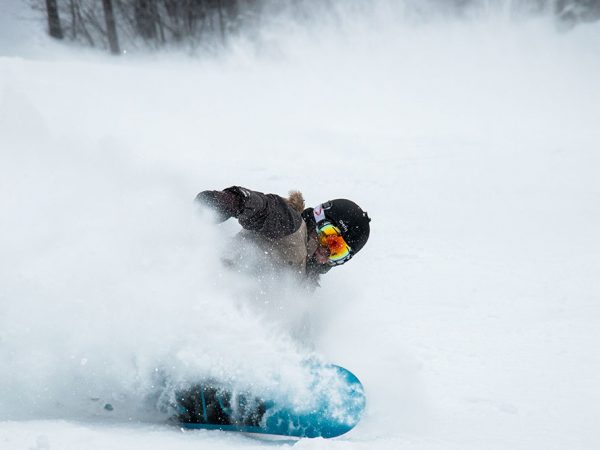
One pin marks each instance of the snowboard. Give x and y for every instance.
(335, 404)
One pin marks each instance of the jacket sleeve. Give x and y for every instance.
(267, 214)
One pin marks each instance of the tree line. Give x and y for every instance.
(155, 23)
(158, 23)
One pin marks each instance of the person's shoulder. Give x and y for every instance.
(294, 203)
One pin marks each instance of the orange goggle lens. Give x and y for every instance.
(331, 238)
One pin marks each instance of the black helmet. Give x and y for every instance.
(352, 221)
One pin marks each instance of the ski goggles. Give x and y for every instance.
(331, 238)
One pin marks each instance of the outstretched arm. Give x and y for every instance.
(266, 214)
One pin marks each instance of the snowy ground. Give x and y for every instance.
(472, 316)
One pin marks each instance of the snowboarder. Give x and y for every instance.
(310, 241)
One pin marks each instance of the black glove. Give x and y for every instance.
(226, 203)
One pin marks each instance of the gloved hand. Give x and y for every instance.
(226, 203)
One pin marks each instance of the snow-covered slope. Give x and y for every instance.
(472, 315)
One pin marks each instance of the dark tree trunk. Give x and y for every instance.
(144, 19)
(74, 16)
(221, 20)
(54, 26)
(111, 28)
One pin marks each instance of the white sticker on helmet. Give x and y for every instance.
(319, 213)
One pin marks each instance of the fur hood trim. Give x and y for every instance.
(296, 201)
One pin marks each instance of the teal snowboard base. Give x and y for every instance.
(335, 407)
